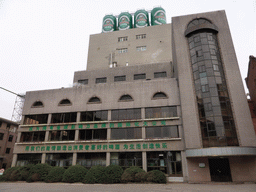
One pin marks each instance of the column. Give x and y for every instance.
(184, 166)
(78, 118)
(143, 129)
(74, 158)
(144, 160)
(14, 160)
(49, 118)
(46, 136)
(43, 158)
(18, 137)
(107, 158)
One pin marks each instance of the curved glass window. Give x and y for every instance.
(126, 98)
(94, 100)
(38, 104)
(160, 95)
(65, 102)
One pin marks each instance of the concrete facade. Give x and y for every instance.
(138, 104)
(8, 136)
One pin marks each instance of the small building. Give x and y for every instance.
(165, 97)
(8, 135)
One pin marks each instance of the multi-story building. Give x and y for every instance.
(251, 85)
(8, 135)
(168, 97)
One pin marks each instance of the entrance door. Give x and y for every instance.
(220, 170)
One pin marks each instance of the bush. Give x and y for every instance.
(89, 178)
(2, 178)
(55, 174)
(15, 175)
(114, 173)
(7, 173)
(74, 174)
(156, 176)
(129, 174)
(24, 172)
(99, 173)
(141, 177)
(38, 172)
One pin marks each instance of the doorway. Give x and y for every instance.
(220, 170)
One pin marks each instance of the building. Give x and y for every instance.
(251, 85)
(168, 97)
(8, 135)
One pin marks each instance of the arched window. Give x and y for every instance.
(65, 102)
(126, 98)
(94, 100)
(38, 104)
(160, 95)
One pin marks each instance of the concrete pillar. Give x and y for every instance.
(18, 137)
(74, 158)
(76, 135)
(143, 113)
(78, 117)
(43, 158)
(143, 129)
(14, 160)
(49, 118)
(109, 115)
(108, 133)
(184, 166)
(107, 158)
(22, 120)
(144, 160)
(46, 138)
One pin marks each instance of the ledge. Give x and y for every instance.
(221, 151)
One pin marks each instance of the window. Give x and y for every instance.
(83, 81)
(126, 133)
(8, 125)
(121, 39)
(126, 159)
(8, 150)
(10, 138)
(161, 112)
(160, 95)
(37, 136)
(91, 159)
(94, 100)
(160, 74)
(1, 136)
(125, 114)
(101, 80)
(68, 135)
(63, 117)
(141, 36)
(1, 123)
(94, 116)
(59, 159)
(141, 48)
(126, 98)
(93, 134)
(162, 132)
(119, 78)
(65, 102)
(36, 119)
(38, 104)
(139, 76)
(122, 50)
(25, 159)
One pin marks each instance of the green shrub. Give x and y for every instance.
(156, 176)
(15, 175)
(99, 173)
(39, 172)
(55, 174)
(129, 174)
(2, 178)
(89, 178)
(113, 173)
(141, 177)
(7, 173)
(74, 174)
(24, 172)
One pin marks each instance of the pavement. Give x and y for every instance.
(171, 187)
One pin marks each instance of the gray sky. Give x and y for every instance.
(42, 42)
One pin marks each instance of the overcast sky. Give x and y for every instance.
(42, 42)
